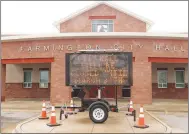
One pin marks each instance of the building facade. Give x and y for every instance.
(33, 66)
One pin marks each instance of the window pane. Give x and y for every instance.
(27, 76)
(94, 21)
(159, 85)
(179, 76)
(104, 21)
(102, 28)
(180, 85)
(162, 77)
(29, 84)
(25, 85)
(110, 21)
(110, 28)
(94, 28)
(100, 21)
(165, 85)
(44, 76)
(102, 25)
(43, 85)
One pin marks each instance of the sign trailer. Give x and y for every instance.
(88, 68)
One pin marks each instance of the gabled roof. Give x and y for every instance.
(148, 22)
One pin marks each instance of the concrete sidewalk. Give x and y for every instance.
(80, 123)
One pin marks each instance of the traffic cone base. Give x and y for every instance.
(52, 125)
(138, 126)
(43, 118)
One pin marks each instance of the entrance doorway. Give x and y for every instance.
(126, 91)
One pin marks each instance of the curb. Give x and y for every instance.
(166, 110)
(18, 128)
(168, 128)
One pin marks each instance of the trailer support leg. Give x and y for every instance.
(116, 99)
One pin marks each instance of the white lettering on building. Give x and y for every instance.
(61, 47)
(97, 47)
(37, 48)
(129, 47)
(181, 48)
(29, 49)
(88, 47)
(157, 47)
(78, 47)
(21, 49)
(54, 48)
(69, 47)
(116, 46)
(174, 48)
(46, 48)
(166, 48)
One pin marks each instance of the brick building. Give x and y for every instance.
(33, 66)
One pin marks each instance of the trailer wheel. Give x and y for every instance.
(98, 114)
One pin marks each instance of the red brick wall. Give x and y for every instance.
(3, 79)
(16, 90)
(122, 23)
(170, 92)
(141, 92)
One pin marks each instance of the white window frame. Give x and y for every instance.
(101, 19)
(158, 78)
(180, 83)
(27, 83)
(47, 83)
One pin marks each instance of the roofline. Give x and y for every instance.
(148, 22)
(96, 35)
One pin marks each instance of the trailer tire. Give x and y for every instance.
(98, 113)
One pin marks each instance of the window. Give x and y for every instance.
(27, 79)
(44, 79)
(162, 78)
(179, 79)
(102, 25)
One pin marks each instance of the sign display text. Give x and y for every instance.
(99, 69)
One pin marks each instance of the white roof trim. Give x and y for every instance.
(96, 35)
(148, 22)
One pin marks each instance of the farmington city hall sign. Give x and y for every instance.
(129, 47)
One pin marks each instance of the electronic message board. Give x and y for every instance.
(100, 68)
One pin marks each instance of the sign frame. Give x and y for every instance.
(130, 68)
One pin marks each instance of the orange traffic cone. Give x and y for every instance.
(71, 109)
(53, 118)
(43, 112)
(131, 106)
(141, 123)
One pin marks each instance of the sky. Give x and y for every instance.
(37, 17)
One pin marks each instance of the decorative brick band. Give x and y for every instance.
(102, 17)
